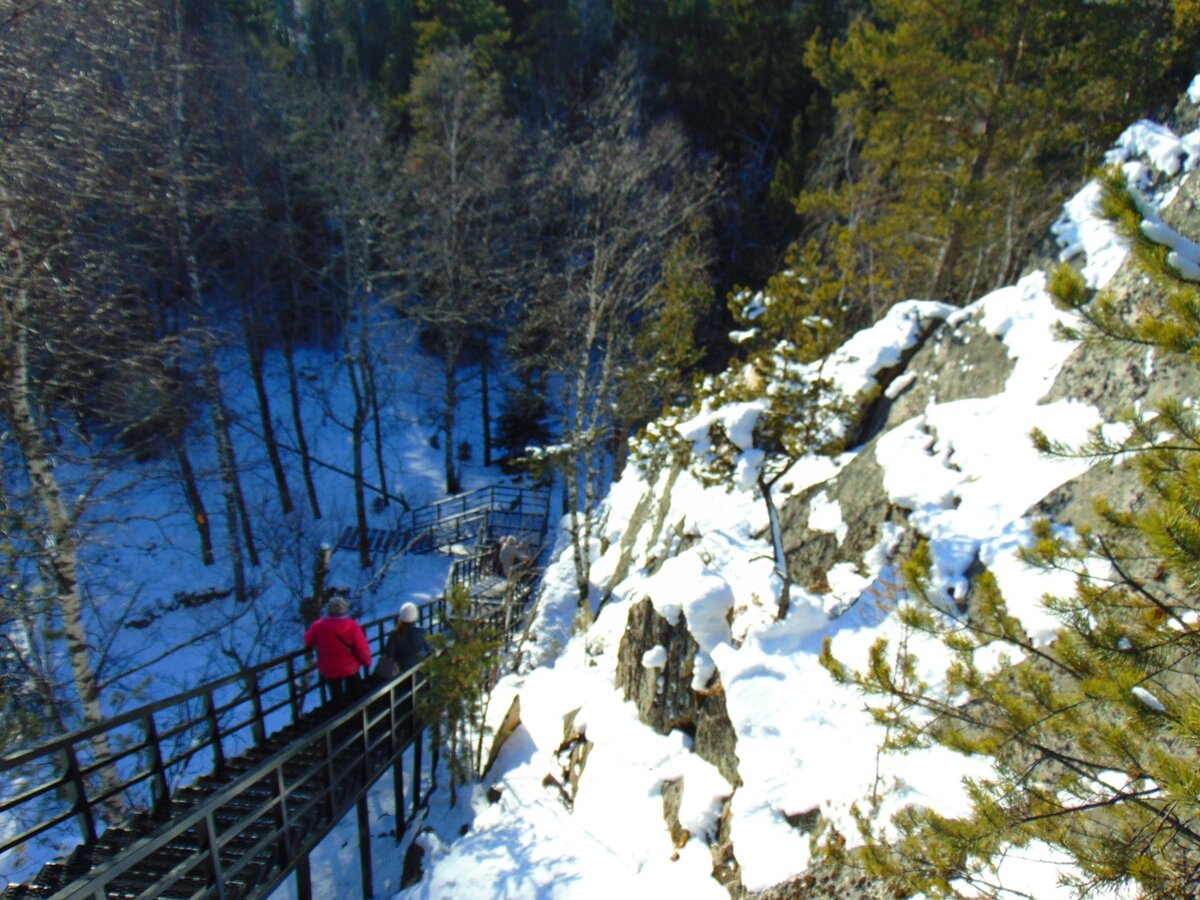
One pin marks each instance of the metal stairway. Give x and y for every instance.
(267, 772)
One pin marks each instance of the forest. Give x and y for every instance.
(571, 200)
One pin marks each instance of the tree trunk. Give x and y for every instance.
(195, 501)
(256, 353)
(235, 506)
(357, 426)
(369, 382)
(289, 356)
(485, 412)
(288, 339)
(59, 548)
(449, 407)
(953, 247)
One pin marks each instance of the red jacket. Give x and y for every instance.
(342, 647)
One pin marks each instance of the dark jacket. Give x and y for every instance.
(406, 645)
(342, 647)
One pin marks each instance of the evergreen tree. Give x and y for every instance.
(957, 118)
(1094, 734)
(461, 669)
(665, 351)
(479, 25)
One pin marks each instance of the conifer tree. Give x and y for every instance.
(957, 117)
(665, 351)
(1094, 734)
(460, 669)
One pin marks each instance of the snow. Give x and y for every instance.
(966, 471)
(1149, 699)
(826, 515)
(969, 476)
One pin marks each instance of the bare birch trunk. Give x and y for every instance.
(60, 548)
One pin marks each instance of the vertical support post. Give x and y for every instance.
(78, 793)
(260, 728)
(329, 804)
(214, 731)
(416, 775)
(364, 848)
(208, 837)
(293, 698)
(160, 791)
(398, 795)
(304, 880)
(282, 825)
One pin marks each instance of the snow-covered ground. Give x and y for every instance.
(967, 470)
(142, 555)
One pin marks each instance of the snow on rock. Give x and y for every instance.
(737, 420)
(826, 515)
(961, 473)
(655, 657)
(854, 365)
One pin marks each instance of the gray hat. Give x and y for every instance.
(409, 613)
(338, 606)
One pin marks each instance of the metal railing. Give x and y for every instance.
(242, 838)
(458, 520)
(156, 747)
(136, 762)
(246, 836)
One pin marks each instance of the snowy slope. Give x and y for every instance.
(966, 472)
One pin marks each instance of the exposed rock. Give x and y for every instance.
(1112, 383)
(825, 879)
(412, 870)
(805, 822)
(652, 508)
(512, 719)
(572, 757)
(859, 491)
(664, 697)
(672, 794)
(725, 865)
(955, 362)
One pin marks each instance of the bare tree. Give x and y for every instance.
(351, 162)
(625, 190)
(461, 165)
(81, 372)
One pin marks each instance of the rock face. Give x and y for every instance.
(664, 696)
(957, 359)
(858, 490)
(954, 361)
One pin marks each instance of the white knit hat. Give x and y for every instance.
(408, 613)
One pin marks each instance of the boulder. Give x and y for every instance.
(664, 696)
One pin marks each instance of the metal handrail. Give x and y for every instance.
(377, 742)
(331, 739)
(72, 757)
(222, 717)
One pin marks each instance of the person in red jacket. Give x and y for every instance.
(342, 651)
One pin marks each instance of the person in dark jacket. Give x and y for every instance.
(342, 651)
(406, 646)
